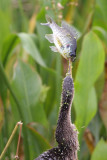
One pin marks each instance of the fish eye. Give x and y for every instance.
(68, 46)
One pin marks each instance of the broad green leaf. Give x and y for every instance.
(29, 42)
(27, 87)
(51, 95)
(87, 106)
(100, 152)
(103, 6)
(100, 14)
(44, 92)
(91, 61)
(102, 33)
(41, 143)
(3, 87)
(39, 114)
(1, 114)
(8, 46)
(90, 67)
(5, 21)
(91, 106)
(30, 47)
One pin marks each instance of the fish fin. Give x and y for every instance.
(53, 48)
(72, 30)
(49, 37)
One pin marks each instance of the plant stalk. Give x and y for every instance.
(9, 141)
(26, 146)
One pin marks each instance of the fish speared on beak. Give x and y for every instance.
(73, 56)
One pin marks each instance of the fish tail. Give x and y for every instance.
(45, 24)
(49, 21)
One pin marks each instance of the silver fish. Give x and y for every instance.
(63, 37)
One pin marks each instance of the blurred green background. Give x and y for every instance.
(31, 75)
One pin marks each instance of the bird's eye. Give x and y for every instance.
(68, 46)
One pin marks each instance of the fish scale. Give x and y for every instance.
(64, 38)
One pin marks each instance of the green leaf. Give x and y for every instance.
(38, 112)
(44, 92)
(91, 61)
(1, 114)
(90, 67)
(87, 106)
(100, 152)
(102, 33)
(40, 142)
(30, 47)
(27, 87)
(91, 106)
(8, 46)
(29, 42)
(5, 21)
(103, 6)
(100, 14)
(18, 108)
(3, 87)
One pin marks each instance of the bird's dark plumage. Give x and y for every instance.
(66, 133)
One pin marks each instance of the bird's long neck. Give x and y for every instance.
(67, 97)
(66, 133)
(64, 122)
